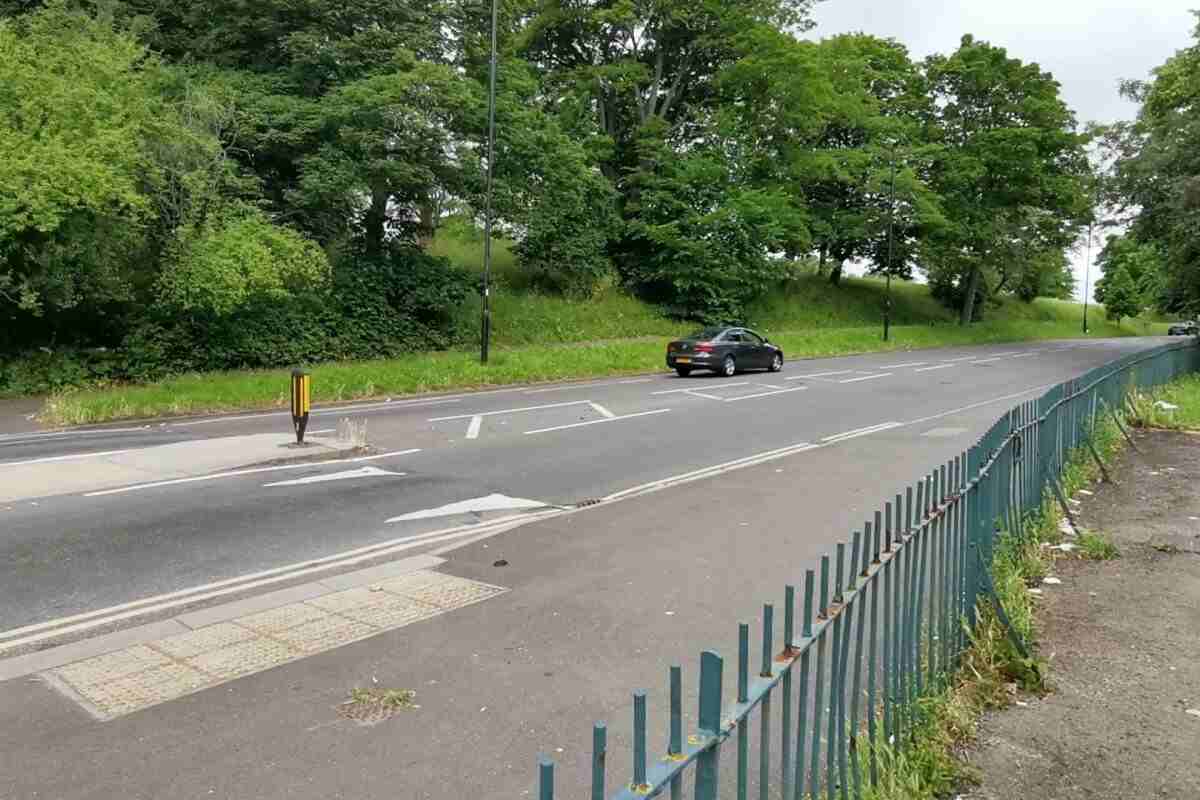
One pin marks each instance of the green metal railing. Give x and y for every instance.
(894, 616)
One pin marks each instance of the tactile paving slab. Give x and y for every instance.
(128, 680)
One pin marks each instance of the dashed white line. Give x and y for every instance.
(866, 377)
(510, 411)
(602, 411)
(1025, 355)
(473, 428)
(764, 394)
(958, 360)
(694, 393)
(939, 366)
(598, 421)
(251, 471)
(722, 386)
(909, 364)
(819, 375)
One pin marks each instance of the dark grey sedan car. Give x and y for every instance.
(1187, 328)
(724, 350)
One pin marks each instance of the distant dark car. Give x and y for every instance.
(724, 350)
(1183, 329)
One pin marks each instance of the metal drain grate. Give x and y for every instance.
(589, 502)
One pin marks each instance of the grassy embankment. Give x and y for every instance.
(543, 338)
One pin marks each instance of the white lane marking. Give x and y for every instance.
(819, 375)
(695, 393)
(103, 617)
(72, 457)
(364, 472)
(492, 502)
(586, 386)
(322, 412)
(252, 471)
(152, 605)
(35, 435)
(987, 360)
(598, 421)
(602, 411)
(866, 377)
(326, 430)
(939, 366)
(839, 437)
(770, 386)
(764, 394)
(1025, 355)
(473, 428)
(979, 404)
(511, 410)
(722, 386)
(958, 360)
(901, 366)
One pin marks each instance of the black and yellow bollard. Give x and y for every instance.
(301, 402)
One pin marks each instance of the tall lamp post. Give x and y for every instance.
(887, 294)
(486, 321)
(1087, 278)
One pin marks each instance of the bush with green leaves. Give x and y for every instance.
(237, 260)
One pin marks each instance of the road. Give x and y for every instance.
(598, 601)
(554, 446)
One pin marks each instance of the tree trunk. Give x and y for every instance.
(821, 261)
(376, 221)
(427, 225)
(835, 274)
(967, 314)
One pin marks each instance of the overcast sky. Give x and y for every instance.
(1089, 45)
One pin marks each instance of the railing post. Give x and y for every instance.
(545, 779)
(599, 759)
(708, 762)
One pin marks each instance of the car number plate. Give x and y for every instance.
(688, 360)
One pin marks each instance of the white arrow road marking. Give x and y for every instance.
(473, 428)
(363, 472)
(492, 502)
(602, 410)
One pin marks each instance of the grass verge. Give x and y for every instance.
(1184, 393)
(456, 370)
(933, 764)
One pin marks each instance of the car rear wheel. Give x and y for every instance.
(683, 371)
(776, 362)
(728, 367)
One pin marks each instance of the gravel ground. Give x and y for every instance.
(1122, 639)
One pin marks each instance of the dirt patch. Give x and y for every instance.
(1122, 639)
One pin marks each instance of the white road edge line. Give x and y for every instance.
(939, 366)
(151, 605)
(34, 435)
(841, 437)
(602, 411)
(764, 394)
(958, 360)
(598, 421)
(72, 457)
(866, 377)
(252, 471)
(472, 533)
(511, 410)
(320, 412)
(473, 428)
(722, 386)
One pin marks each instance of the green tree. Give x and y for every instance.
(1012, 171)
(1121, 296)
(1155, 181)
(1142, 262)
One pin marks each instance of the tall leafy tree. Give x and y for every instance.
(1012, 171)
(1155, 180)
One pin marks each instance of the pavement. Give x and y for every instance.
(1122, 641)
(713, 494)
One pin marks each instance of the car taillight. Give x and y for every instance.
(704, 347)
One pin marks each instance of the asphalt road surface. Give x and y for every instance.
(553, 446)
(598, 602)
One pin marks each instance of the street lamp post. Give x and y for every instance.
(486, 321)
(1087, 278)
(887, 295)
